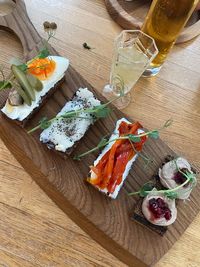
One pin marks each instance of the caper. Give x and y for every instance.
(53, 26)
(47, 25)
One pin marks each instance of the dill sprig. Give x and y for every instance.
(133, 138)
(170, 193)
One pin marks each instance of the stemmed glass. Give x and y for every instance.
(133, 52)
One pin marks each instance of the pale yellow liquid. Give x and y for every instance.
(127, 68)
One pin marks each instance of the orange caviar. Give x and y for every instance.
(42, 68)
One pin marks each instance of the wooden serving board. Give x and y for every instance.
(107, 221)
(131, 15)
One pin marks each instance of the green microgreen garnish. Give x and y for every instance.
(50, 29)
(170, 193)
(98, 112)
(131, 137)
(6, 83)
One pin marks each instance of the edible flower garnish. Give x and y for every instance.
(170, 193)
(132, 138)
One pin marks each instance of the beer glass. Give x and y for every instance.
(164, 22)
(133, 51)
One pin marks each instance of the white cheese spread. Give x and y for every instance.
(63, 133)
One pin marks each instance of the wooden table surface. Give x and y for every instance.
(33, 231)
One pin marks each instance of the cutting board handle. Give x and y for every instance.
(19, 23)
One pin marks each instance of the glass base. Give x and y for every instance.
(123, 101)
(120, 103)
(151, 71)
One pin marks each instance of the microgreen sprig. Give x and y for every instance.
(133, 138)
(6, 83)
(50, 29)
(170, 193)
(98, 112)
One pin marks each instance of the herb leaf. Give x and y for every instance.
(134, 138)
(145, 189)
(171, 195)
(23, 67)
(43, 53)
(154, 134)
(44, 123)
(5, 85)
(102, 111)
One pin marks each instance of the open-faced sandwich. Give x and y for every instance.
(33, 82)
(112, 166)
(66, 130)
(173, 174)
(159, 209)
(31, 87)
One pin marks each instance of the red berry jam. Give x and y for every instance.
(179, 177)
(159, 208)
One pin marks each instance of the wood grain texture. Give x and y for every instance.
(131, 15)
(152, 92)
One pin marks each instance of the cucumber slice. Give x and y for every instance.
(34, 82)
(23, 94)
(23, 81)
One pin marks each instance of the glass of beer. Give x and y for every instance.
(133, 52)
(164, 22)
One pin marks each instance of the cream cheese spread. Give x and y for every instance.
(63, 133)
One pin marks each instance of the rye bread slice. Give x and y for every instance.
(65, 154)
(43, 100)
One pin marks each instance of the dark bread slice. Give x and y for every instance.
(43, 101)
(65, 154)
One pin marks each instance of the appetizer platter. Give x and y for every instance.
(89, 157)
